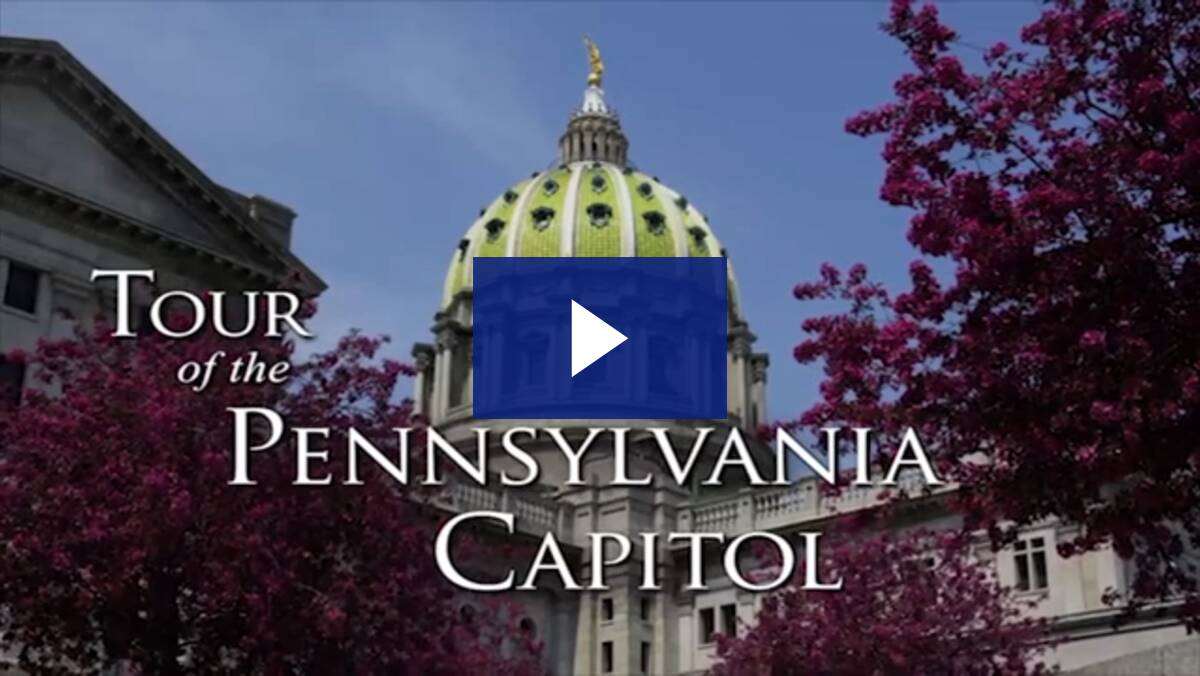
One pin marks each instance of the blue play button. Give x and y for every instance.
(600, 338)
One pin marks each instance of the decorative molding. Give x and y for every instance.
(451, 337)
(50, 67)
(740, 346)
(759, 362)
(423, 356)
(42, 200)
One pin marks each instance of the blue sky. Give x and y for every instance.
(388, 125)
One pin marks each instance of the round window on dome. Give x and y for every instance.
(646, 190)
(598, 183)
(656, 223)
(599, 214)
(542, 217)
(510, 196)
(493, 228)
(549, 187)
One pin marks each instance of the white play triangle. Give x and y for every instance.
(591, 338)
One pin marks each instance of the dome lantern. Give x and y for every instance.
(594, 131)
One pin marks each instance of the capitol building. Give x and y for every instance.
(85, 182)
(595, 202)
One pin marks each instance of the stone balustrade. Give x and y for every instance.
(759, 509)
(535, 515)
(750, 509)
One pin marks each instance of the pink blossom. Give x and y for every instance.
(1056, 187)
(1092, 339)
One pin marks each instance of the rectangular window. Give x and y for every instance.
(606, 657)
(729, 619)
(21, 290)
(708, 624)
(12, 379)
(1029, 559)
(458, 374)
(647, 607)
(645, 663)
(606, 609)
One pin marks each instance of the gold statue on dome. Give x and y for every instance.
(596, 65)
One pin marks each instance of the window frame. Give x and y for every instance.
(1031, 569)
(706, 625)
(38, 275)
(729, 618)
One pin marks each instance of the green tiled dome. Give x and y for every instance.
(585, 208)
(592, 205)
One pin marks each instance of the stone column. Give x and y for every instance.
(739, 374)
(423, 363)
(469, 386)
(438, 387)
(758, 376)
(563, 636)
(446, 342)
(730, 398)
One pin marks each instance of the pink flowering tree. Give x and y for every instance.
(910, 604)
(123, 544)
(1052, 360)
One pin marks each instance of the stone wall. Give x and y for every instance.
(1182, 659)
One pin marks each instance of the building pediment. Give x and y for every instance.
(65, 133)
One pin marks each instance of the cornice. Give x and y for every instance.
(48, 64)
(22, 190)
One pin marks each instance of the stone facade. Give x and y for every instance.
(627, 631)
(85, 183)
(612, 630)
